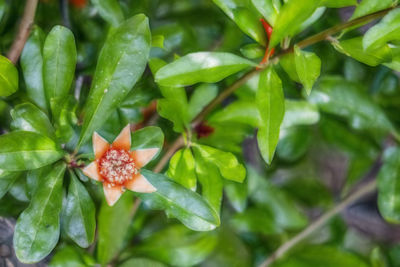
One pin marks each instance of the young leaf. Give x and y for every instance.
(110, 11)
(78, 214)
(370, 6)
(271, 105)
(8, 77)
(252, 51)
(268, 8)
(32, 68)
(59, 60)
(290, 17)
(388, 29)
(113, 224)
(180, 202)
(338, 3)
(7, 179)
(354, 48)
(211, 181)
(239, 112)
(308, 67)
(20, 151)
(202, 95)
(181, 169)
(209, 67)
(226, 162)
(27, 117)
(121, 62)
(389, 186)
(38, 227)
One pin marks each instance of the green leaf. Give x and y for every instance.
(78, 215)
(113, 224)
(209, 67)
(121, 62)
(321, 256)
(210, 180)
(67, 256)
(308, 67)
(147, 137)
(142, 262)
(245, 16)
(7, 180)
(268, 8)
(8, 77)
(182, 169)
(337, 96)
(176, 245)
(20, 151)
(236, 194)
(59, 60)
(66, 122)
(110, 11)
(288, 64)
(240, 112)
(252, 51)
(378, 258)
(157, 41)
(370, 6)
(388, 29)
(256, 220)
(201, 97)
(291, 16)
(181, 203)
(38, 227)
(299, 112)
(27, 117)
(354, 48)
(174, 107)
(271, 105)
(338, 3)
(389, 186)
(32, 68)
(226, 162)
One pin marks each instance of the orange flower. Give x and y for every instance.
(117, 167)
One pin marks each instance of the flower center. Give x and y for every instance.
(116, 166)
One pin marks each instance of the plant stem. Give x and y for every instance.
(23, 31)
(321, 221)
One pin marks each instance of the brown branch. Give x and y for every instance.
(23, 31)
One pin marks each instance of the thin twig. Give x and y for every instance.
(23, 31)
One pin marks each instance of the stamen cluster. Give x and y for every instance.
(116, 166)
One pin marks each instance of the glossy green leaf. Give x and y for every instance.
(337, 96)
(338, 3)
(7, 179)
(21, 151)
(299, 112)
(200, 98)
(370, 6)
(245, 16)
(388, 29)
(8, 77)
(321, 256)
(176, 245)
(67, 256)
(32, 68)
(110, 11)
(240, 112)
(113, 224)
(308, 67)
(122, 61)
(59, 60)
(291, 16)
(389, 186)
(78, 215)
(27, 117)
(66, 121)
(237, 194)
(252, 51)
(182, 169)
(181, 203)
(147, 137)
(288, 64)
(174, 107)
(38, 227)
(271, 105)
(210, 180)
(209, 67)
(354, 48)
(268, 8)
(226, 162)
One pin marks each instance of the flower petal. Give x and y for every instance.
(140, 184)
(143, 156)
(123, 140)
(92, 171)
(100, 145)
(112, 193)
